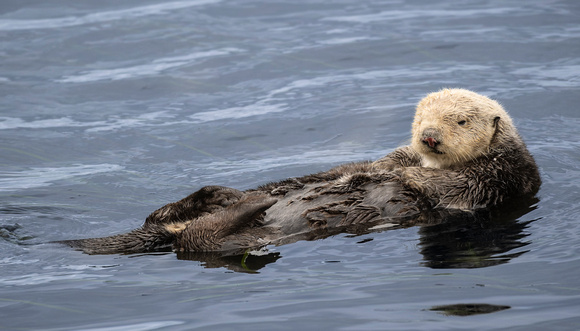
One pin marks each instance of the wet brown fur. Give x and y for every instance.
(465, 154)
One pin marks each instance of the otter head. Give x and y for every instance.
(454, 126)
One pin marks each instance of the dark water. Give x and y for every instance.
(112, 109)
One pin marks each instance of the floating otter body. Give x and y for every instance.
(465, 155)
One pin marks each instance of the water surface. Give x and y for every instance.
(110, 110)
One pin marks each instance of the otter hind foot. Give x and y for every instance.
(208, 199)
(207, 233)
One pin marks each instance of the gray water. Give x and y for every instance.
(111, 109)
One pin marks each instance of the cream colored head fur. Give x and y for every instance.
(454, 126)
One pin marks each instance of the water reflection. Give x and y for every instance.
(448, 239)
(482, 239)
(248, 263)
(468, 309)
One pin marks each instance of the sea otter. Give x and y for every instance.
(465, 155)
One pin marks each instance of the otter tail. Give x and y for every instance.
(136, 241)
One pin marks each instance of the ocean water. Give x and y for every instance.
(109, 110)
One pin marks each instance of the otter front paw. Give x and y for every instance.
(410, 176)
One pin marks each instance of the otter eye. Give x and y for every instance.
(462, 122)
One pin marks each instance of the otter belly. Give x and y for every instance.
(318, 211)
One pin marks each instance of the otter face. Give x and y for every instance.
(452, 127)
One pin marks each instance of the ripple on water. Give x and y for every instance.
(49, 277)
(155, 67)
(156, 325)
(431, 14)
(39, 177)
(99, 17)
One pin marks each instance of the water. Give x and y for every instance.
(111, 109)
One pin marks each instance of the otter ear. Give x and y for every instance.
(495, 121)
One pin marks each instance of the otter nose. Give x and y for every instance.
(431, 137)
(430, 141)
